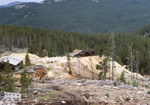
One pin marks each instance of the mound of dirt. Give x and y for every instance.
(83, 67)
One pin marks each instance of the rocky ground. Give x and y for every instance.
(60, 88)
(87, 92)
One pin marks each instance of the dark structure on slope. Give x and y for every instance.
(16, 63)
(82, 53)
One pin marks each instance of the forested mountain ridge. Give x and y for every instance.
(56, 43)
(84, 16)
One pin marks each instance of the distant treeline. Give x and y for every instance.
(56, 43)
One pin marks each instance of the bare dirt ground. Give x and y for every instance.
(86, 92)
(60, 88)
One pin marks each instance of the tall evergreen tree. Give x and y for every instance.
(69, 64)
(149, 64)
(1, 80)
(25, 81)
(130, 59)
(112, 46)
(104, 65)
(78, 67)
(27, 60)
(92, 68)
(137, 63)
(8, 79)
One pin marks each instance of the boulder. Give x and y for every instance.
(35, 92)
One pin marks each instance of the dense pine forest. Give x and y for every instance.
(57, 43)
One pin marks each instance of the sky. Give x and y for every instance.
(4, 2)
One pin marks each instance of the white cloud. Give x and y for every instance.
(4, 2)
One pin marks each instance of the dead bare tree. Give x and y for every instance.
(92, 68)
(130, 60)
(137, 64)
(79, 68)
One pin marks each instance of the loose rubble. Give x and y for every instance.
(56, 87)
(86, 92)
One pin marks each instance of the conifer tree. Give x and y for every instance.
(69, 65)
(1, 80)
(130, 59)
(92, 68)
(142, 72)
(122, 77)
(112, 46)
(104, 66)
(7, 78)
(27, 60)
(78, 67)
(25, 81)
(8, 69)
(137, 63)
(148, 64)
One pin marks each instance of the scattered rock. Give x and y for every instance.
(58, 88)
(79, 84)
(140, 92)
(103, 102)
(63, 102)
(117, 99)
(35, 92)
(127, 99)
(35, 100)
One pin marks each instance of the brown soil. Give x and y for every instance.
(87, 92)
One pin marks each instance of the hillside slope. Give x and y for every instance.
(85, 16)
(81, 67)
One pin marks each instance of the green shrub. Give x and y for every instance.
(142, 72)
(107, 95)
(122, 78)
(115, 83)
(101, 76)
(70, 72)
(148, 92)
(65, 90)
(135, 84)
(147, 86)
(50, 68)
(44, 97)
(118, 79)
(128, 83)
(22, 97)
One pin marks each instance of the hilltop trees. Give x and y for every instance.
(56, 43)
